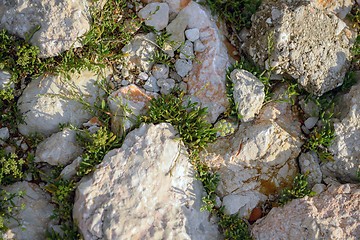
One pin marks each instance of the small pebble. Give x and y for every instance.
(199, 46)
(311, 122)
(4, 133)
(192, 34)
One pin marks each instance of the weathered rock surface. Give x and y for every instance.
(254, 163)
(144, 190)
(174, 5)
(334, 214)
(48, 101)
(345, 147)
(60, 23)
(35, 219)
(155, 15)
(139, 52)
(339, 7)
(59, 149)
(126, 104)
(309, 165)
(206, 80)
(4, 79)
(249, 93)
(311, 45)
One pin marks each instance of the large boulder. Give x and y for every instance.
(35, 218)
(143, 190)
(48, 101)
(55, 25)
(311, 45)
(334, 214)
(345, 147)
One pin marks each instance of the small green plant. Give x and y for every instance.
(299, 189)
(96, 145)
(234, 228)
(8, 208)
(160, 57)
(236, 13)
(162, 39)
(10, 168)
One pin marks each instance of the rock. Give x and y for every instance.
(310, 166)
(35, 219)
(143, 76)
(311, 122)
(310, 108)
(142, 49)
(262, 151)
(199, 46)
(59, 149)
(318, 188)
(70, 170)
(176, 28)
(187, 50)
(182, 86)
(48, 101)
(331, 215)
(183, 67)
(160, 71)
(151, 85)
(147, 185)
(340, 8)
(249, 93)
(166, 85)
(126, 104)
(192, 34)
(156, 15)
(306, 44)
(55, 24)
(5, 80)
(345, 147)
(4, 133)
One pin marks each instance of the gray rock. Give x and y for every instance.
(310, 108)
(143, 76)
(182, 86)
(155, 15)
(249, 93)
(60, 23)
(199, 46)
(192, 34)
(331, 215)
(151, 85)
(183, 67)
(310, 165)
(160, 71)
(166, 85)
(187, 50)
(311, 122)
(345, 147)
(306, 43)
(35, 219)
(176, 28)
(318, 188)
(4, 133)
(5, 80)
(59, 149)
(48, 101)
(70, 170)
(148, 185)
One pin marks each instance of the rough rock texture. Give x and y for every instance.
(4, 79)
(144, 190)
(309, 164)
(139, 52)
(307, 43)
(155, 15)
(60, 22)
(44, 109)
(248, 93)
(60, 148)
(339, 7)
(345, 147)
(35, 218)
(206, 80)
(334, 214)
(126, 104)
(174, 5)
(254, 163)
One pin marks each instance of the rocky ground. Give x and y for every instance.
(177, 119)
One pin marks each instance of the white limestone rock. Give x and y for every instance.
(35, 219)
(166, 85)
(60, 23)
(249, 93)
(310, 165)
(5, 80)
(156, 15)
(59, 149)
(183, 67)
(311, 45)
(192, 34)
(345, 147)
(331, 215)
(126, 104)
(160, 71)
(4, 133)
(151, 85)
(187, 50)
(144, 190)
(177, 28)
(48, 101)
